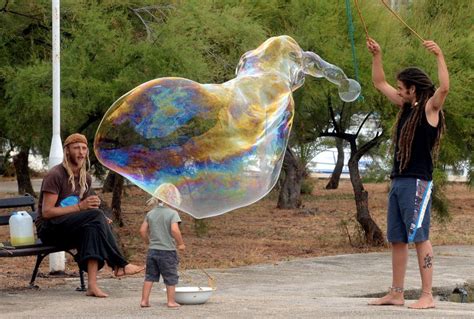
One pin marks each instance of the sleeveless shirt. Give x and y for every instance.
(420, 164)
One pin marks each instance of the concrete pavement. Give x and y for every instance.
(323, 287)
(12, 186)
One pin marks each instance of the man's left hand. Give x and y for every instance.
(432, 47)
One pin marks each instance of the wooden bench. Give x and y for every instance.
(38, 249)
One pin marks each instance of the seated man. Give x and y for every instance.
(69, 216)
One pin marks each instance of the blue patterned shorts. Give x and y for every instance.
(409, 204)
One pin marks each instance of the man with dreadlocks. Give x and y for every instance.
(417, 132)
(69, 216)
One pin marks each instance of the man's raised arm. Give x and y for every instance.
(436, 102)
(378, 74)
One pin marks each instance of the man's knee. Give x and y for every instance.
(423, 243)
(96, 215)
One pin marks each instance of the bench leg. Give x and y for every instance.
(83, 285)
(39, 259)
(81, 273)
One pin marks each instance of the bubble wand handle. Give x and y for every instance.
(401, 20)
(362, 19)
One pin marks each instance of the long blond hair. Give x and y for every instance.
(83, 187)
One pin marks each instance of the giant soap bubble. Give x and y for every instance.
(221, 145)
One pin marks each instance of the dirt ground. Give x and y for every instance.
(260, 233)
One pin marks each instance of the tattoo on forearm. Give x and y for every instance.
(428, 261)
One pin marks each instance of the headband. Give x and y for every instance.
(75, 138)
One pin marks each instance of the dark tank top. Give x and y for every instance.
(420, 164)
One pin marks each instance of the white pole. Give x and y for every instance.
(57, 261)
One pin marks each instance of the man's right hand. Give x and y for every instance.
(90, 202)
(181, 247)
(373, 47)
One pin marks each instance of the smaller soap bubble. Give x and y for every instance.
(349, 90)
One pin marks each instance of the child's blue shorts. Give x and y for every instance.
(409, 204)
(164, 263)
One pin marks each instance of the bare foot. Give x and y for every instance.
(425, 302)
(173, 305)
(128, 270)
(390, 299)
(96, 292)
(144, 304)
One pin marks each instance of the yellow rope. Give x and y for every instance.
(362, 19)
(401, 20)
(211, 281)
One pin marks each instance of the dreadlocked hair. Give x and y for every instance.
(424, 89)
(82, 173)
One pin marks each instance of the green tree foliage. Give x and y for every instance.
(449, 23)
(23, 50)
(106, 52)
(109, 47)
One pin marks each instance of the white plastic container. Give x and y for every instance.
(21, 229)
(192, 295)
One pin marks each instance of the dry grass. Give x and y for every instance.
(260, 233)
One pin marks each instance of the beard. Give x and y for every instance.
(76, 161)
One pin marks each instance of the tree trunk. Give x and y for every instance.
(20, 161)
(336, 174)
(373, 234)
(109, 182)
(290, 192)
(117, 200)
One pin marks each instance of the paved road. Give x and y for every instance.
(12, 186)
(324, 287)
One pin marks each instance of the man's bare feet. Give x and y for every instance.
(128, 270)
(144, 304)
(391, 299)
(425, 302)
(173, 305)
(96, 292)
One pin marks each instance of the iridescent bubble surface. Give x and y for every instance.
(220, 145)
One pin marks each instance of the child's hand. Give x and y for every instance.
(181, 247)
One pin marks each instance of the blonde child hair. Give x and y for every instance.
(165, 193)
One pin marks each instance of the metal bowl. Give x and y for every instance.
(193, 295)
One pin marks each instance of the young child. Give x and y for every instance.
(161, 232)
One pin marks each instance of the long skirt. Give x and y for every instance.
(88, 232)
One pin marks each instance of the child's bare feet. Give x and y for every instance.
(425, 302)
(393, 298)
(129, 269)
(173, 305)
(96, 292)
